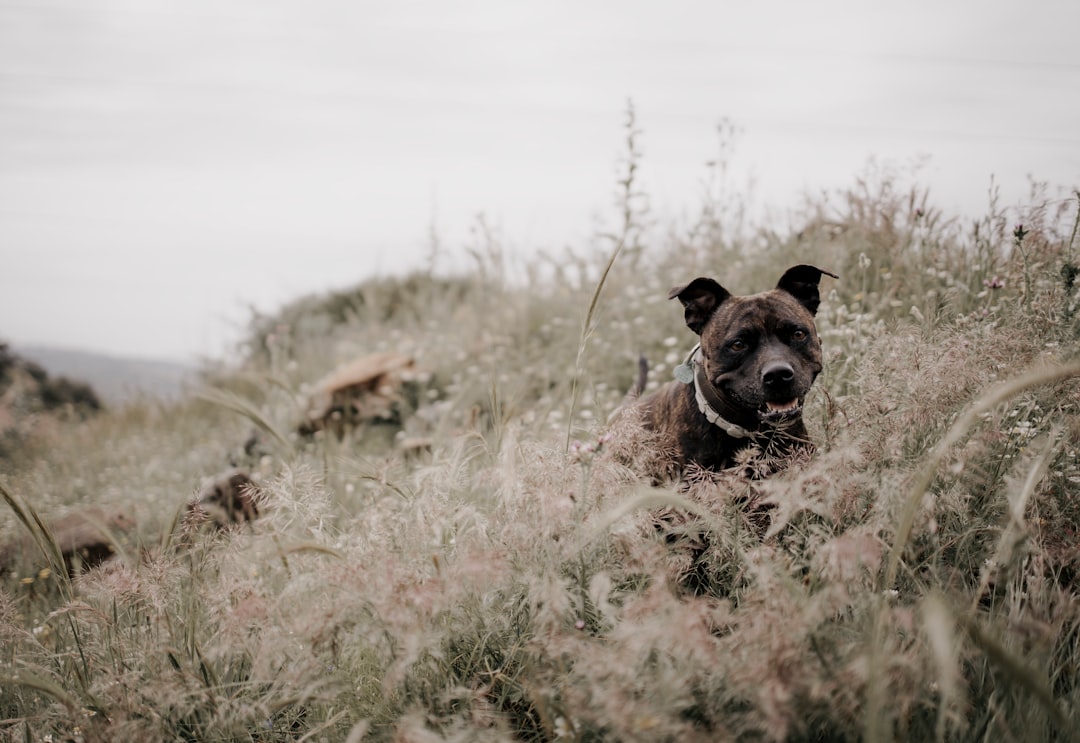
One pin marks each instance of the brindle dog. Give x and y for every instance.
(746, 380)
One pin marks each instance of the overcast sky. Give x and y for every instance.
(164, 164)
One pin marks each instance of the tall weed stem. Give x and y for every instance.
(630, 225)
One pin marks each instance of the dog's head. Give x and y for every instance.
(761, 353)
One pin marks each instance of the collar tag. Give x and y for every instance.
(684, 373)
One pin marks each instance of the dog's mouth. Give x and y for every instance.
(772, 412)
(779, 410)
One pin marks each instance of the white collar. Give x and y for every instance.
(733, 430)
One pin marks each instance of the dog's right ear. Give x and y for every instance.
(700, 297)
(802, 282)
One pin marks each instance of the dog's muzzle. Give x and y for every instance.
(772, 412)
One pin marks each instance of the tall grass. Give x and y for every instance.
(917, 579)
(627, 236)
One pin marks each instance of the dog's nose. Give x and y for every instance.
(777, 373)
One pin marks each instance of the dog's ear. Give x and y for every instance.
(801, 282)
(700, 297)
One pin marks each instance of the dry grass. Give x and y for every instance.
(917, 579)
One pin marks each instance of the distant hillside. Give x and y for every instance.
(116, 379)
(32, 400)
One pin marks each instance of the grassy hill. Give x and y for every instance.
(916, 580)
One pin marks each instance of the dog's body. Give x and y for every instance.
(746, 382)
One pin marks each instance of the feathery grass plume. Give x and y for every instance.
(237, 404)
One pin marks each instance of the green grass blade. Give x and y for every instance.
(42, 537)
(43, 685)
(237, 404)
(1015, 670)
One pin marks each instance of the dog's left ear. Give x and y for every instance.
(700, 297)
(802, 282)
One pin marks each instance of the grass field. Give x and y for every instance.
(917, 580)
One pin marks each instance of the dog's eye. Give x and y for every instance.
(738, 345)
(798, 335)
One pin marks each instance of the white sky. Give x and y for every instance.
(166, 163)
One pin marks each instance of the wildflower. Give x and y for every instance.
(562, 728)
(1019, 233)
(579, 624)
(995, 283)
(1024, 428)
(581, 452)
